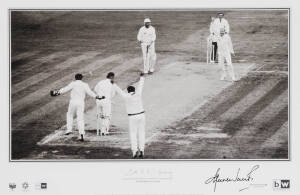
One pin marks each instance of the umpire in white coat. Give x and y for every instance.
(147, 36)
(78, 91)
(104, 88)
(225, 49)
(136, 114)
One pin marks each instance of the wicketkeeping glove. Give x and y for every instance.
(54, 93)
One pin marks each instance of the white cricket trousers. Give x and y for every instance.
(137, 132)
(103, 115)
(149, 57)
(228, 67)
(78, 107)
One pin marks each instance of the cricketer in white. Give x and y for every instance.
(104, 88)
(136, 114)
(219, 24)
(225, 49)
(147, 36)
(79, 89)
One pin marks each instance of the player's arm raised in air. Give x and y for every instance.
(140, 85)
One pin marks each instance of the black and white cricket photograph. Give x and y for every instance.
(149, 84)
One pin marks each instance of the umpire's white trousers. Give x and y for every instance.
(137, 132)
(103, 115)
(78, 107)
(149, 57)
(228, 67)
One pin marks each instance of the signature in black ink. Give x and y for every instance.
(218, 179)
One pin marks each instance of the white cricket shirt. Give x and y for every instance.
(220, 24)
(146, 35)
(105, 88)
(78, 90)
(133, 101)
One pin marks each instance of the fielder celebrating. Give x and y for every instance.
(225, 49)
(78, 91)
(146, 36)
(104, 88)
(136, 114)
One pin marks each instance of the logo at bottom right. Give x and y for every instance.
(281, 184)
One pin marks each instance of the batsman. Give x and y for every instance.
(146, 37)
(104, 88)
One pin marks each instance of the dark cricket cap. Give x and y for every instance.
(78, 76)
(110, 74)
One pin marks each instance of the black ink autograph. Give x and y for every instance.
(217, 179)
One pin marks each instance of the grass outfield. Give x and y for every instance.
(49, 49)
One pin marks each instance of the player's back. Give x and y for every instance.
(104, 88)
(134, 103)
(78, 90)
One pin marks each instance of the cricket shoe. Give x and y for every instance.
(81, 138)
(141, 155)
(136, 155)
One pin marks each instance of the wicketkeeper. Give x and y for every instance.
(78, 91)
(146, 37)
